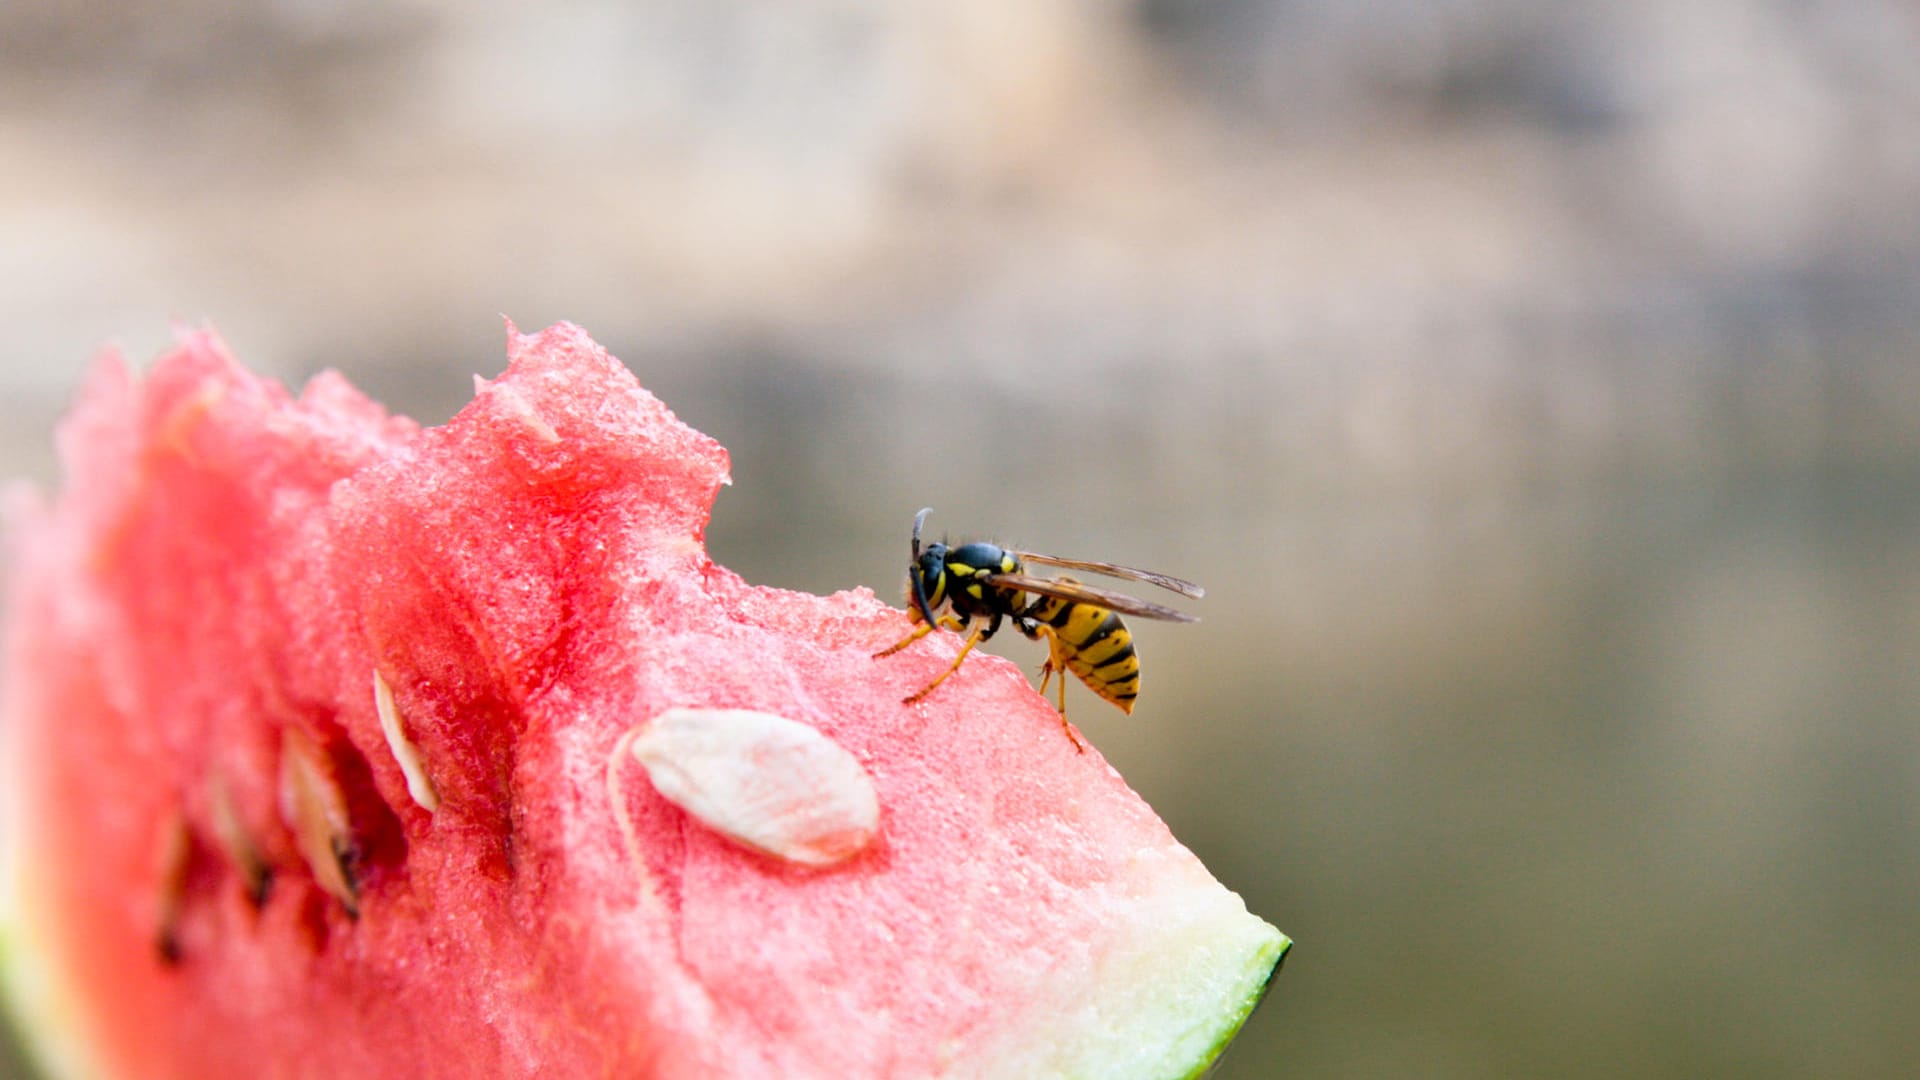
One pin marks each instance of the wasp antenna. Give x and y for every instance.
(918, 520)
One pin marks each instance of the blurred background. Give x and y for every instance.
(1534, 387)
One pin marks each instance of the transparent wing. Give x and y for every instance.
(1073, 590)
(1165, 581)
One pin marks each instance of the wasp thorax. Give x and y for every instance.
(981, 558)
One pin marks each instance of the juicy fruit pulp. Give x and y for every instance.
(327, 750)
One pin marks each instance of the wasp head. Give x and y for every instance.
(927, 582)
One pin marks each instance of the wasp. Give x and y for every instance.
(975, 587)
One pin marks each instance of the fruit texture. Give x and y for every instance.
(337, 746)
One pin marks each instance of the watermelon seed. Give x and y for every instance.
(315, 809)
(240, 849)
(419, 784)
(772, 784)
(176, 852)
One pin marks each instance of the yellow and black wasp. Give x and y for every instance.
(956, 587)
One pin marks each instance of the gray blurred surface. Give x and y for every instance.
(1533, 387)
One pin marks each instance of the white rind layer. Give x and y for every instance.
(1160, 1002)
(39, 1002)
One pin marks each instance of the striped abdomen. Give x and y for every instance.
(1094, 644)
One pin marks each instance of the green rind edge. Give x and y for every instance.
(13, 1020)
(35, 1005)
(1272, 957)
(35, 1008)
(14, 1027)
(10, 1031)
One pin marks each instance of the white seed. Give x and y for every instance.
(419, 784)
(176, 854)
(770, 783)
(315, 809)
(238, 844)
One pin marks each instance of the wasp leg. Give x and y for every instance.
(946, 622)
(923, 630)
(1078, 746)
(1055, 664)
(973, 639)
(1048, 669)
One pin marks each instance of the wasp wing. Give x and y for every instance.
(1165, 581)
(1087, 594)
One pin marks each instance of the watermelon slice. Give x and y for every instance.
(337, 746)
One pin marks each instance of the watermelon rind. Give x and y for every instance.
(1232, 1022)
(1163, 1008)
(33, 999)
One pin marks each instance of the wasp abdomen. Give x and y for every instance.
(1095, 645)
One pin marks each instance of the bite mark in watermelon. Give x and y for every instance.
(318, 731)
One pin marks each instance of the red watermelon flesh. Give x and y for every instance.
(214, 864)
